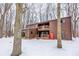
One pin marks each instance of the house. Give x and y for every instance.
(48, 29)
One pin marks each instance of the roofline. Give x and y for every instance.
(47, 21)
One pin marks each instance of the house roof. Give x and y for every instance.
(47, 21)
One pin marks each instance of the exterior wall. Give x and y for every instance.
(66, 29)
(53, 28)
(27, 33)
(32, 33)
(29, 29)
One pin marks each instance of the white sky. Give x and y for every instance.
(39, 1)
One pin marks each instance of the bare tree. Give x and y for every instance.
(17, 31)
(9, 23)
(6, 8)
(68, 9)
(47, 11)
(40, 12)
(59, 38)
(75, 18)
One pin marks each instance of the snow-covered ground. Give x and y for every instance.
(41, 47)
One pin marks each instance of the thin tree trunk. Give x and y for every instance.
(74, 32)
(17, 31)
(10, 32)
(1, 25)
(0, 29)
(59, 44)
(6, 28)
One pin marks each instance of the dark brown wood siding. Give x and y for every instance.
(32, 30)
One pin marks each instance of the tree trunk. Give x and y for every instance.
(6, 28)
(17, 31)
(74, 31)
(1, 25)
(0, 29)
(59, 44)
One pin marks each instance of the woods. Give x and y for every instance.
(16, 18)
(32, 16)
(6, 9)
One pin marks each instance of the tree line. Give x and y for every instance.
(15, 17)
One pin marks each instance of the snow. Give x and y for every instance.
(41, 47)
(6, 46)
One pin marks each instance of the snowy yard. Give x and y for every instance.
(41, 47)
